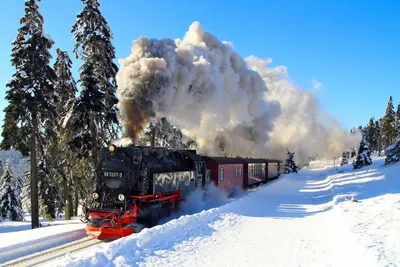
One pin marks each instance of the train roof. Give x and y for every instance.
(273, 161)
(225, 160)
(191, 154)
(253, 160)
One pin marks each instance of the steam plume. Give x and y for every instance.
(303, 126)
(229, 105)
(202, 86)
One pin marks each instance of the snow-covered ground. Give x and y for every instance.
(301, 219)
(17, 239)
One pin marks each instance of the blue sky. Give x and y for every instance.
(351, 47)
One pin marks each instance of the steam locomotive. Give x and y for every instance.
(137, 186)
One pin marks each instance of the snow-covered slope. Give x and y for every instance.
(301, 219)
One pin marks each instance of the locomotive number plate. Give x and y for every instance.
(112, 174)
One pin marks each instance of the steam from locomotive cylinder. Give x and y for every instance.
(202, 86)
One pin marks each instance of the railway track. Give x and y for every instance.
(49, 255)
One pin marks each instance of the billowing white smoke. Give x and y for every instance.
(303, 127)
(229, 105)
(203, 87)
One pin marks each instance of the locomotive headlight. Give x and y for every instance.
(111, 148)
(95, 195)
(121, 197)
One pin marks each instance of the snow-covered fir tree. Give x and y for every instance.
(344, 159)
(49, 198)
(20, 168)
(398, 111)
(161, 133)
(363, 156)
(1, 168)
(290, 165)
(10, 200)
(388, 131)
(353, 153)
(397, 123)
(66, 88)
(30, 95)
(393, 153)
(370, 134)
(94, 119)
(378, 136)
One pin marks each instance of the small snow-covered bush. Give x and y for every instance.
(393, 153)
(363, 156)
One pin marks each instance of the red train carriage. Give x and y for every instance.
(227, 173)
(253, 171)
(272, 169)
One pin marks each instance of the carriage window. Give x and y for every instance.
(236, 171)
(221, 175)
(240, 171)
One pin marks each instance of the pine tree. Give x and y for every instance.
(28, 118)
(398, 111)
(393, 153)
(387, 129)
(353, 153)
(50, 196)
(370, 134)
(344, 159)
(1, 168)
(378, 136)
(397, 124)
(290, 165)
(10, 201)
(161, 133)
(66, 88)
(94, 120)
(363, 156)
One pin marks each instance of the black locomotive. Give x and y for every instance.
(141, 185)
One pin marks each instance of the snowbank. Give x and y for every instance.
(17, 239)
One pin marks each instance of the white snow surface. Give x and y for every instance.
(303, 219)
(17, 239)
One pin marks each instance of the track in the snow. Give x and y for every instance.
(49, 255)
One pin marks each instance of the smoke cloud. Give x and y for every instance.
(202, 86)
(303, 126)
(229, 105)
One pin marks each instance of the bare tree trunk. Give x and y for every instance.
(34, 180)
(71, 207)
(66, 198)
(76, 202)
